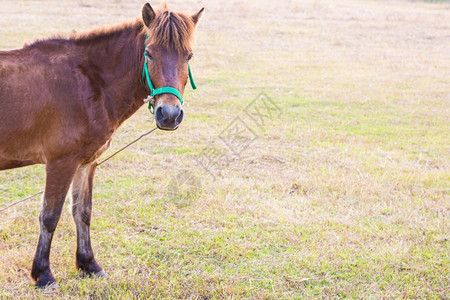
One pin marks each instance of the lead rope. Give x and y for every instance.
(129, 144)
(20, 201)
(98, 164)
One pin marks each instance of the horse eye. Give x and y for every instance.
(189, 57)
(147, 54)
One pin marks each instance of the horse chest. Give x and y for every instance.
(100, 151)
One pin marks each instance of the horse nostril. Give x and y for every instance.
(179, 118)
(159, 114)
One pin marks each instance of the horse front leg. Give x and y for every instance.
(81, 211)
(59, 175)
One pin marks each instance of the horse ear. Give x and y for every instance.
(196, 17)
(148, 14)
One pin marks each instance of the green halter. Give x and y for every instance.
(164, 89)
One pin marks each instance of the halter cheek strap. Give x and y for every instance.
(161, 90)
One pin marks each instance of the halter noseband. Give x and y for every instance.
(161, 90)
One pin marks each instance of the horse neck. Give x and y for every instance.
(118, 59)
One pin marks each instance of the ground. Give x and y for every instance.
(313, 160)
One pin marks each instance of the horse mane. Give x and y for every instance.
(91, 36)
(168, 29)
(171, 30)
(107, 31)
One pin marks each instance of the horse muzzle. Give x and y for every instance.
(168, 117)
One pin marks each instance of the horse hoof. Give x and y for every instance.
(100, 274)
(49, 288)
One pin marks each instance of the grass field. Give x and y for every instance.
(337, 188)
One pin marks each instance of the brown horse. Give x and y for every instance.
(62, 100)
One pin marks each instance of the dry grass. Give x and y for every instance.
(345, 193)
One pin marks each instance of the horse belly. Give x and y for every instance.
(12, 164)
